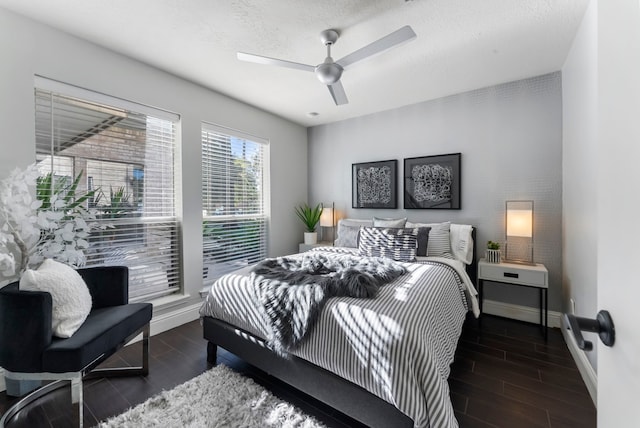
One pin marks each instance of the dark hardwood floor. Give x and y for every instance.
(504, 375)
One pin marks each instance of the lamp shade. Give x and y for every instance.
(520, 223)
(326, 218)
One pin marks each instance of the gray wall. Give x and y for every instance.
(580, 166)
(510, 137)
(28, 48)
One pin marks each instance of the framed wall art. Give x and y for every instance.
(432, 182)
(374, 184)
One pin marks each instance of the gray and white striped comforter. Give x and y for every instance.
(398, 345)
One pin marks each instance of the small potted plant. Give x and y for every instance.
(310, 218)
(492, 253)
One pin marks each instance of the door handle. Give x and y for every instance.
(603, 325)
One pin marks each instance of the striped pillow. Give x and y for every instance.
(439, 244)
(396, 244)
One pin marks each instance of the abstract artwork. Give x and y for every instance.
(374, 184)
(432, 182)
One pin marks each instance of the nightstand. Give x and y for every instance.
(535, 276)
(306, 247)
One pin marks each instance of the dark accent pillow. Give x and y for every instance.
(394, 243)
(422, 241)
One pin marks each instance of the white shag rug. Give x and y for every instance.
(219, 397)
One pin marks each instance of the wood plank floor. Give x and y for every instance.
(504, 375)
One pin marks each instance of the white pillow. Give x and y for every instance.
(70, 296)
(462, 242)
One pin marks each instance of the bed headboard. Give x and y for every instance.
(472, 269)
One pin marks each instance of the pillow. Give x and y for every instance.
(393, 243)
(70, 296)
(348, 230)
(441, 237)
(422, 241)
(389, 222)
(439, 241)
(462, 242)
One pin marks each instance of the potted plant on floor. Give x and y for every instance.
(310, 218)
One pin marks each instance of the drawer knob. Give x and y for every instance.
(510, 275)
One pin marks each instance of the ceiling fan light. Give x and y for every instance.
(328, 73)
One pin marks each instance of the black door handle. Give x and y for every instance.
(603, 325)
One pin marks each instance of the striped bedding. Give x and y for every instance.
(398, 345)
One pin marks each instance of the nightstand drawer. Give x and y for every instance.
(527, 275)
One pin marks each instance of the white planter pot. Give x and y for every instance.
(310, 238)
(492, 256)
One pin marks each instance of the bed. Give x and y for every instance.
(383, 361)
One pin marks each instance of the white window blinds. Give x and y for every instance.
(234, 200)
(127, 158)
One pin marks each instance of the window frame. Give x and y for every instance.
(207, 219)
(163, 222)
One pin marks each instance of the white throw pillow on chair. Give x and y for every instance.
(70, 296)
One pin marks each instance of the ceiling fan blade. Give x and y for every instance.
(338, 94)
(273, 61)
(402, 35)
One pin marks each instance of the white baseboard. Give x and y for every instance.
(159, 324)
(519, 312)
(176, 318)
(589, 375)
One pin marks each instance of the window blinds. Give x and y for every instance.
(234, 200)
(127, 158)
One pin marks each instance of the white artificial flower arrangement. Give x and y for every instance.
(50, 223)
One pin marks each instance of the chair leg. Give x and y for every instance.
(30, 398)
(127, 371)
(77, 401)
(145, 350)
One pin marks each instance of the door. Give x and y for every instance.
(618, 196)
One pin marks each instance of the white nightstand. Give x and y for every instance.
(535, 276)
(306, 247)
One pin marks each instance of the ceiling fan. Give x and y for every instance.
(330, 71)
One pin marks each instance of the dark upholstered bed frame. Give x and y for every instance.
(340, 394)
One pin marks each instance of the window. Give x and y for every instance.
(234, 200)
(126, 153)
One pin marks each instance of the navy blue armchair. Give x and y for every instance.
(29, 351)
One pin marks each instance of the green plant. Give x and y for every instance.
(309, 216)
(493, 245)
(61, 190)
(118, 203)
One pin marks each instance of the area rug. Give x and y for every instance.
(219, 397)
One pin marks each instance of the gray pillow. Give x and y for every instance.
(439, 244)
(348, 236)
(348, 232)
(389, 222)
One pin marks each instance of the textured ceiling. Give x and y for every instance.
(461, 45)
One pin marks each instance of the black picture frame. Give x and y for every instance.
(432, 182)
(374, 184)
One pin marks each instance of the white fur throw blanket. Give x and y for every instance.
(293, 290)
